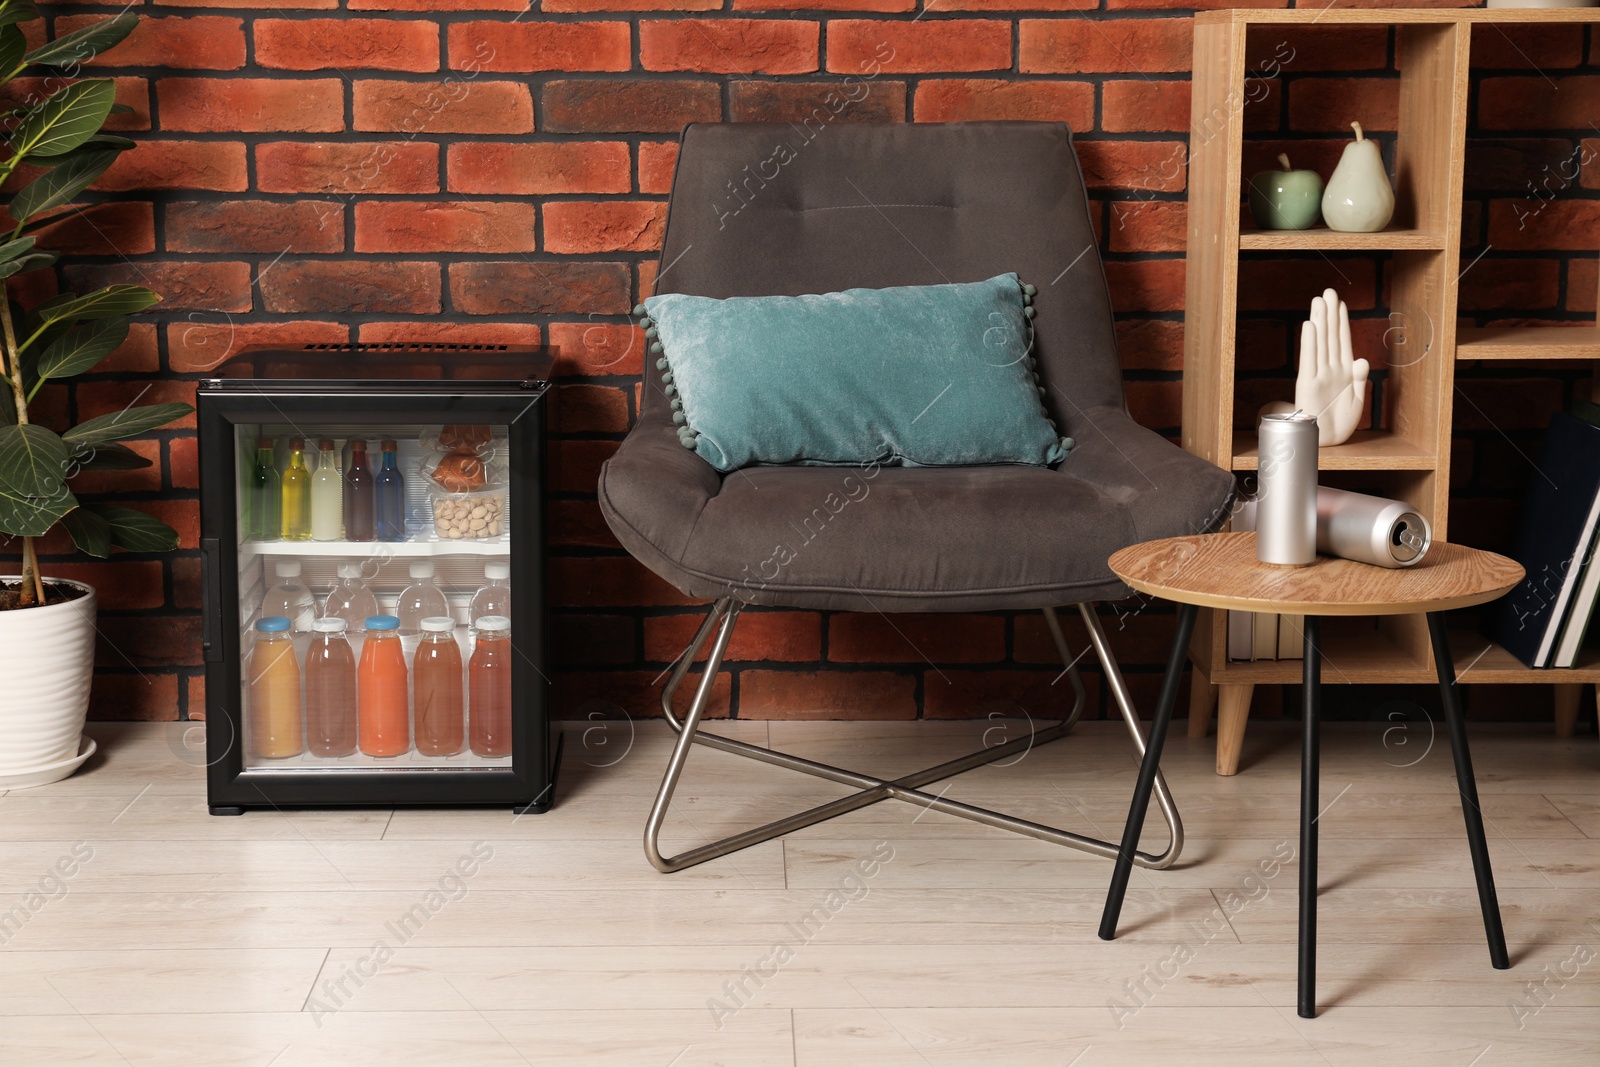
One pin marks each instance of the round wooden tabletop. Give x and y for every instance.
(1221, 571)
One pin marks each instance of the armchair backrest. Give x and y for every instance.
(769, 209)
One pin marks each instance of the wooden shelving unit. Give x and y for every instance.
(1410, 455)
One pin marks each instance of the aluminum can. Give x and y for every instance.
(1370, 529)
(1286, 515)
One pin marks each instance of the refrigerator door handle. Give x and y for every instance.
(211, 624)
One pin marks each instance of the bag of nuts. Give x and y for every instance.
(467, 499)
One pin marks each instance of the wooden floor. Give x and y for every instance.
(349, 937)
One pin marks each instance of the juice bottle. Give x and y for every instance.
(327, 496)
(436, 683)
(264, 494)
(359, 523)
(494, 598)
(490, 688)
(391, 497)
(296, 524)
(351, 600)
(422, 599)
(330, 691)
(274, 691)
(383, 727)
(290, 598)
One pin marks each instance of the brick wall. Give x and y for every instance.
(473, 170)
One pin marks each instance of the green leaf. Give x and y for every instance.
(13, 249)
(14, 11)
(32, 261)
(61, 183)
(134, 530)
(90, 532)
(32, 516)
(108, 456)
(124, 423)
(80, 46)
(81, 348)
(64, 121)
(12, 46)
(112, 300)
(33, 460)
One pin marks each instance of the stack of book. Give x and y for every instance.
(1544, 619)
(1254, 635)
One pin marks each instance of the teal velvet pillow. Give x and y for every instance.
(923, 376)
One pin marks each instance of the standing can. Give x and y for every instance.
(1286, 515)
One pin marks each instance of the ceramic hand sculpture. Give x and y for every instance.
(1331, 383)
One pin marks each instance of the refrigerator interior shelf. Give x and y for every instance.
(488, 546)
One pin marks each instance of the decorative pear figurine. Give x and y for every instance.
(1359, 198)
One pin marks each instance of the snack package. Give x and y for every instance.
(465, 492)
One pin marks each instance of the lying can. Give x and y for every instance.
(1370, 529)
(1286, 502)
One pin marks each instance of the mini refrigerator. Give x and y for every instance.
(372, 527)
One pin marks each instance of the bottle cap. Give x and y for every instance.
(326, 444)
(265, 442)
(289, 568)
(389, 446)
(297, 444)
(382, 622)
(496, 570)
(494, 623)
(273, 624)
(358, 444)
(438, 624)
(422, 569)
(349, 570)
(329, 626)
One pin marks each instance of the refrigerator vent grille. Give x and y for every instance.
(402, 346)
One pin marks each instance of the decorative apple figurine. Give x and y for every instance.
(1285, 199)
(1359, 198)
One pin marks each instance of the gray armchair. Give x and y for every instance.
(773, 209)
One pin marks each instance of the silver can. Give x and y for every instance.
(1370, 529)
(1286, 508)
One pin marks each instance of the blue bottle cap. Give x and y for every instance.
(272, 624)
(382, 622)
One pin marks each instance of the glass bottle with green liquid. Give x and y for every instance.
(296, 480)
(265, 494)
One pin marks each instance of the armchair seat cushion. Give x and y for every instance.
(908, 539)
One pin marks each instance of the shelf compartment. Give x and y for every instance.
(1529, 342)
(1319, 239)
(487, 546)
(1372, 450)
(1479, 659)
(1353, 651)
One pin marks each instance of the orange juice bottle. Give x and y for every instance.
(490, 687)
(274, 691)
(436, 674)
(382, 724)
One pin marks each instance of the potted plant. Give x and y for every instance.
(47, 625)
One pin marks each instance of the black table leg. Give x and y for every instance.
(1310, 764)
(1147, 771)
(1467, 784)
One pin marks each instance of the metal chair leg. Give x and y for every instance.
(872, 789)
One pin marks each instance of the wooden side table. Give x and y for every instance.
(1221, 571)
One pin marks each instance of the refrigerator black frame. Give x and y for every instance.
(528, 784)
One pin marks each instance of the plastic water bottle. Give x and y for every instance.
(290, 598)
(495, 596)
(351, 600)
(421, 600)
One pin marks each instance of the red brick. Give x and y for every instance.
(348, 167)
(143, 697)
(96, 398)
(944, 46)
(825, 5)
(1536, 47)
(1095, 45)
(1298, 49)
(204, 42)
(1013, 694)
(1328, 104)
(967, 100)
(347, 44)
(784, 636)
(144, 480)
(460, 226)
(588, 348)
(1534, 224)
(1589, 160)
(1149, 226)
(1150, 344)
(215, 165)
(115, 228)
(443, 107)
(1526, 166)
(255, 226)
(1520, 284)
(1198, 5)
(1289, 284)
(578, 226)
(817, 103)
(1147, 285)
(877, 638)
(630, 5)
(858, 695)
(543, 287)
(176, 642)
(133, 92)
(576, 694)
(1139, 105)
(435, 6)
(194, 346)
(461, 333)
(729, 46)
(578, 408)
(1013, 5)
(275, 5)
(364, 286)
(1503, 404)
(626, 106)
(187, 588)
(139, 354)
(603, 581)
(593, 639)
(539, 169)
(183, 285)
(1565, 102)
(251, 105)
(648, 269)
(1157, 405)
(1582, 291)
(657, 160)
(531, 46)
(1147, 166)
(579, 523)
(574, 466)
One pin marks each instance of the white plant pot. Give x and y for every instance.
(49, 657)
